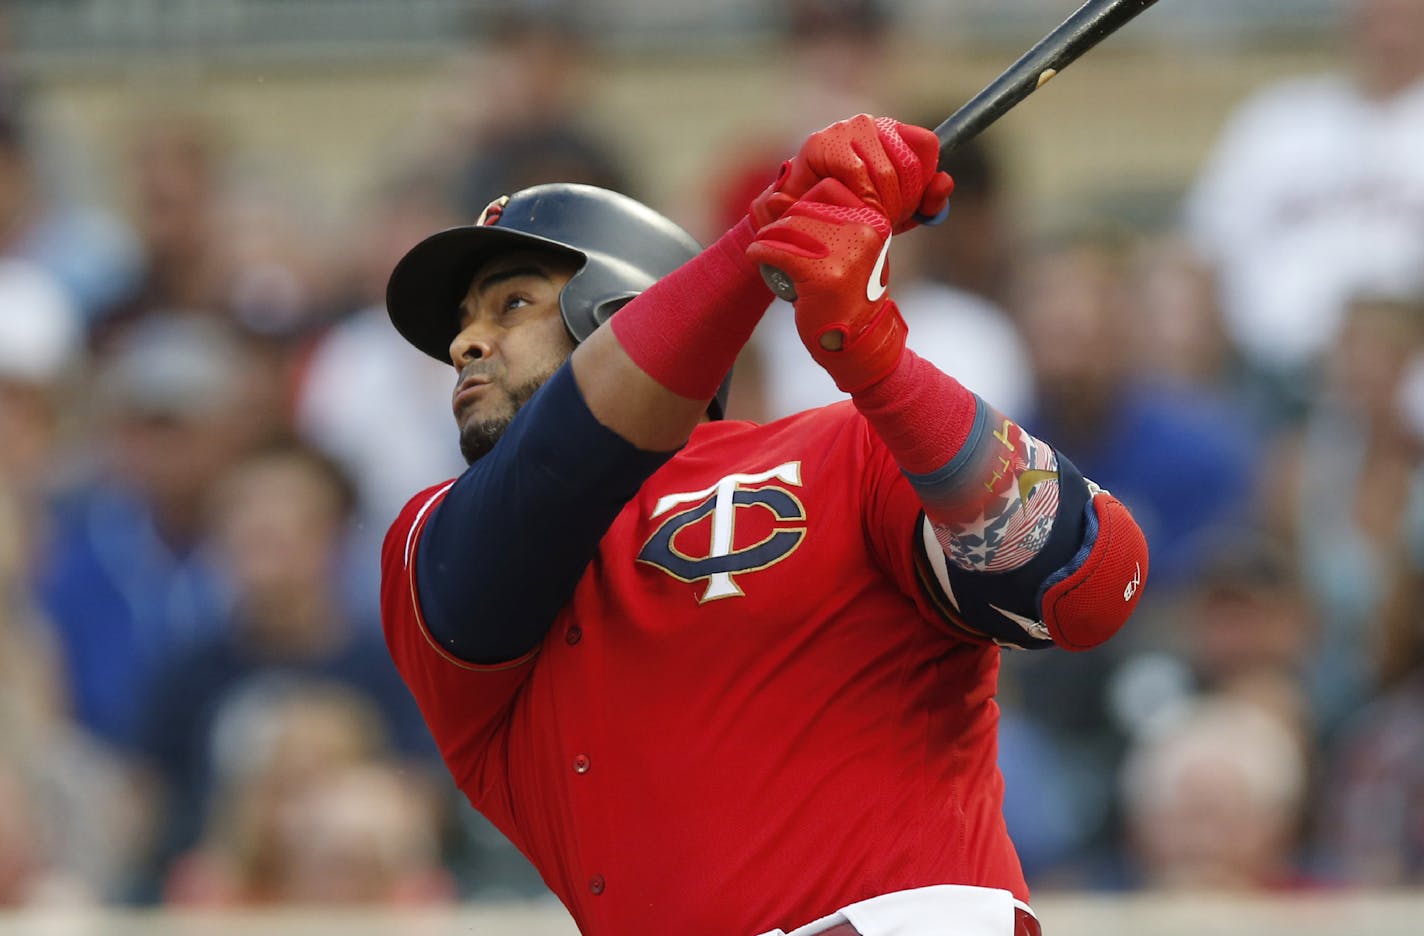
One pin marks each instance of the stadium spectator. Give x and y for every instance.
(83, 803)
(1214, 801)
(1315, 193)
(122, 574)
(176, 172)
(1248, 622)
(279, 525)
(1177, 456)
(1183, 460)
(41, 339)
(1341, 493)
(73, 817)
(45, 220)
(1372, 794)
(1182, 339)
(1371, 802)
(531, 67)
(308, 809)
(232, 240)
(367, 835)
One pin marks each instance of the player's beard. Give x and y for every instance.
(478, 436)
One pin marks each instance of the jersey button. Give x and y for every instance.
(582, 763)
(595, 884)
(573, 635)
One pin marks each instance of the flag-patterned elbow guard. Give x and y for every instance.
(1081, 582)
(1089, 599)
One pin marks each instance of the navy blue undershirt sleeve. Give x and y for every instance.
(501, 554)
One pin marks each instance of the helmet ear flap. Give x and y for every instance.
(605, 309)
(582, 317)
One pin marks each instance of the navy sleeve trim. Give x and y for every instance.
(500, 556)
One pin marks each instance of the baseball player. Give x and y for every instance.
(715, 677)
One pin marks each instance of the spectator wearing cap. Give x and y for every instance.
(123, 577)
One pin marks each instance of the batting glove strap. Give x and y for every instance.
(866, 357)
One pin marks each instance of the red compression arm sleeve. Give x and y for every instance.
(1002, 501)
(686, 330)
(962, 457)
(923, 415)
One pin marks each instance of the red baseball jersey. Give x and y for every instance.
(749, 714)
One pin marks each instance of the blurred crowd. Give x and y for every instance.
(207, 423)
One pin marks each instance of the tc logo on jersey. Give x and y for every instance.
(739, 537)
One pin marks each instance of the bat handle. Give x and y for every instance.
(778, 282)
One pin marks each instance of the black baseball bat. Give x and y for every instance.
(1090, 24)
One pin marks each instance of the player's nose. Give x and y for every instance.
(471, 343)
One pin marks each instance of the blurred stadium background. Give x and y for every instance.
(205, 425)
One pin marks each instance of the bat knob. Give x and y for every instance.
(778, 282)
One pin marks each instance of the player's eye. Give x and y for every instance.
(515, 301)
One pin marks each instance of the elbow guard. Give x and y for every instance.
(1080, 588)
(1088, 599)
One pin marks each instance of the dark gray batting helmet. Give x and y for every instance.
(622, 246)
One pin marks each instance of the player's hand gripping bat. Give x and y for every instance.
(1090, 24)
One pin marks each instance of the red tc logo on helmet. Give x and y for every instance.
(493, 211)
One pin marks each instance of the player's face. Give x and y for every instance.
(511, 340)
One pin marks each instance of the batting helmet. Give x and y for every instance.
(622, 247)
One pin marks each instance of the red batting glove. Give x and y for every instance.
(834, 249)
(889, 165)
